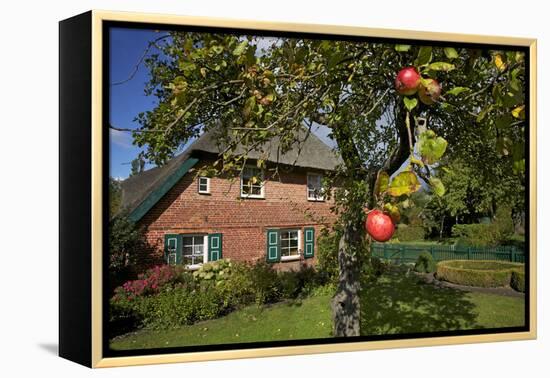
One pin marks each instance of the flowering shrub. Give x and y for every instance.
(153, 281)
(172, 296)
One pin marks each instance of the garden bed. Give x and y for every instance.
(482, 273)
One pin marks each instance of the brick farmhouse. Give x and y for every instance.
(190, 220)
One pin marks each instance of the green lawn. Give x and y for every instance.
(395, 304)
(310, 318)
(400, 304)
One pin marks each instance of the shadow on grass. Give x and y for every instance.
(400, 304)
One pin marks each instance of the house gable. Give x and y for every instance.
(161, 190)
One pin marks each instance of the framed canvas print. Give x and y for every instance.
(234, 189)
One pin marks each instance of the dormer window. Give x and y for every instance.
(252, 183)
(314, 187)
(204, 185)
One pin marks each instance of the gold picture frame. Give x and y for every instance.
(91, 24)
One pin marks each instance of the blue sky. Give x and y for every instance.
(129, 99)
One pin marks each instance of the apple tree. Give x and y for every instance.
(394, 111)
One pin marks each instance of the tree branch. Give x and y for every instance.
(136, 67)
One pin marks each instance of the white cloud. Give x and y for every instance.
(120, 138)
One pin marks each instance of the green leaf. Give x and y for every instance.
(403, 184)
(519, 166)
(441, 66)
(481, 115)
(217, 49)
(503, 122)
(381, 184)
(402, 48)
(457, 90)
(450, 53)
(240, 48)
(410, 103)
(437, 186)
(249, 105)
(424, 56)
(393, 211)
(187, 66)
(431, 147)
(417, 161)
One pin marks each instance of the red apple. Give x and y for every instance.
(429, 92)
(380, 226)
(407, 81)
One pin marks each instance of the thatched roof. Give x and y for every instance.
(309, 152)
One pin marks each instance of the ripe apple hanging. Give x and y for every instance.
(429, 92)
(407, 81)
(379, 226)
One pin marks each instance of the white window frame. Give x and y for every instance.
(262, 186)
(318, 198)
(291, 257)
(205, 252)
(207, 185)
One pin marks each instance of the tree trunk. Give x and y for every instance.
(346, 308)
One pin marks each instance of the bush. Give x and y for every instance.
(215, 271)
(408, 233)
(154, 280)
(425, 263)
(183, 306)
(476, 234)
(171, 296)
(264, 283)
(477, 273)
(517, 281)
(486, 235)
(290, 285)
(376, 268)
(126, 248)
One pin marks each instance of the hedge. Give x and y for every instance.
(517, 281)
(406, 233)
(425, 263)
(478, 273)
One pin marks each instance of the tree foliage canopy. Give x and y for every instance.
(251, 89)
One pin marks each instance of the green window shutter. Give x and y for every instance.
(309, 242)
(172, 249)
(214, 247)
(273, 251)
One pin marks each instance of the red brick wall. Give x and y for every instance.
(243, 222)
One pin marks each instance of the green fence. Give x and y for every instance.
(408, 253)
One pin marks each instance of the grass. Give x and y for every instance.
(306, 319)
(401, 304)
(395, 304)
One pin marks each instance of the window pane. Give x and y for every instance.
(314, 188)
(289, 242)
(193, 250)
(251, 181)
